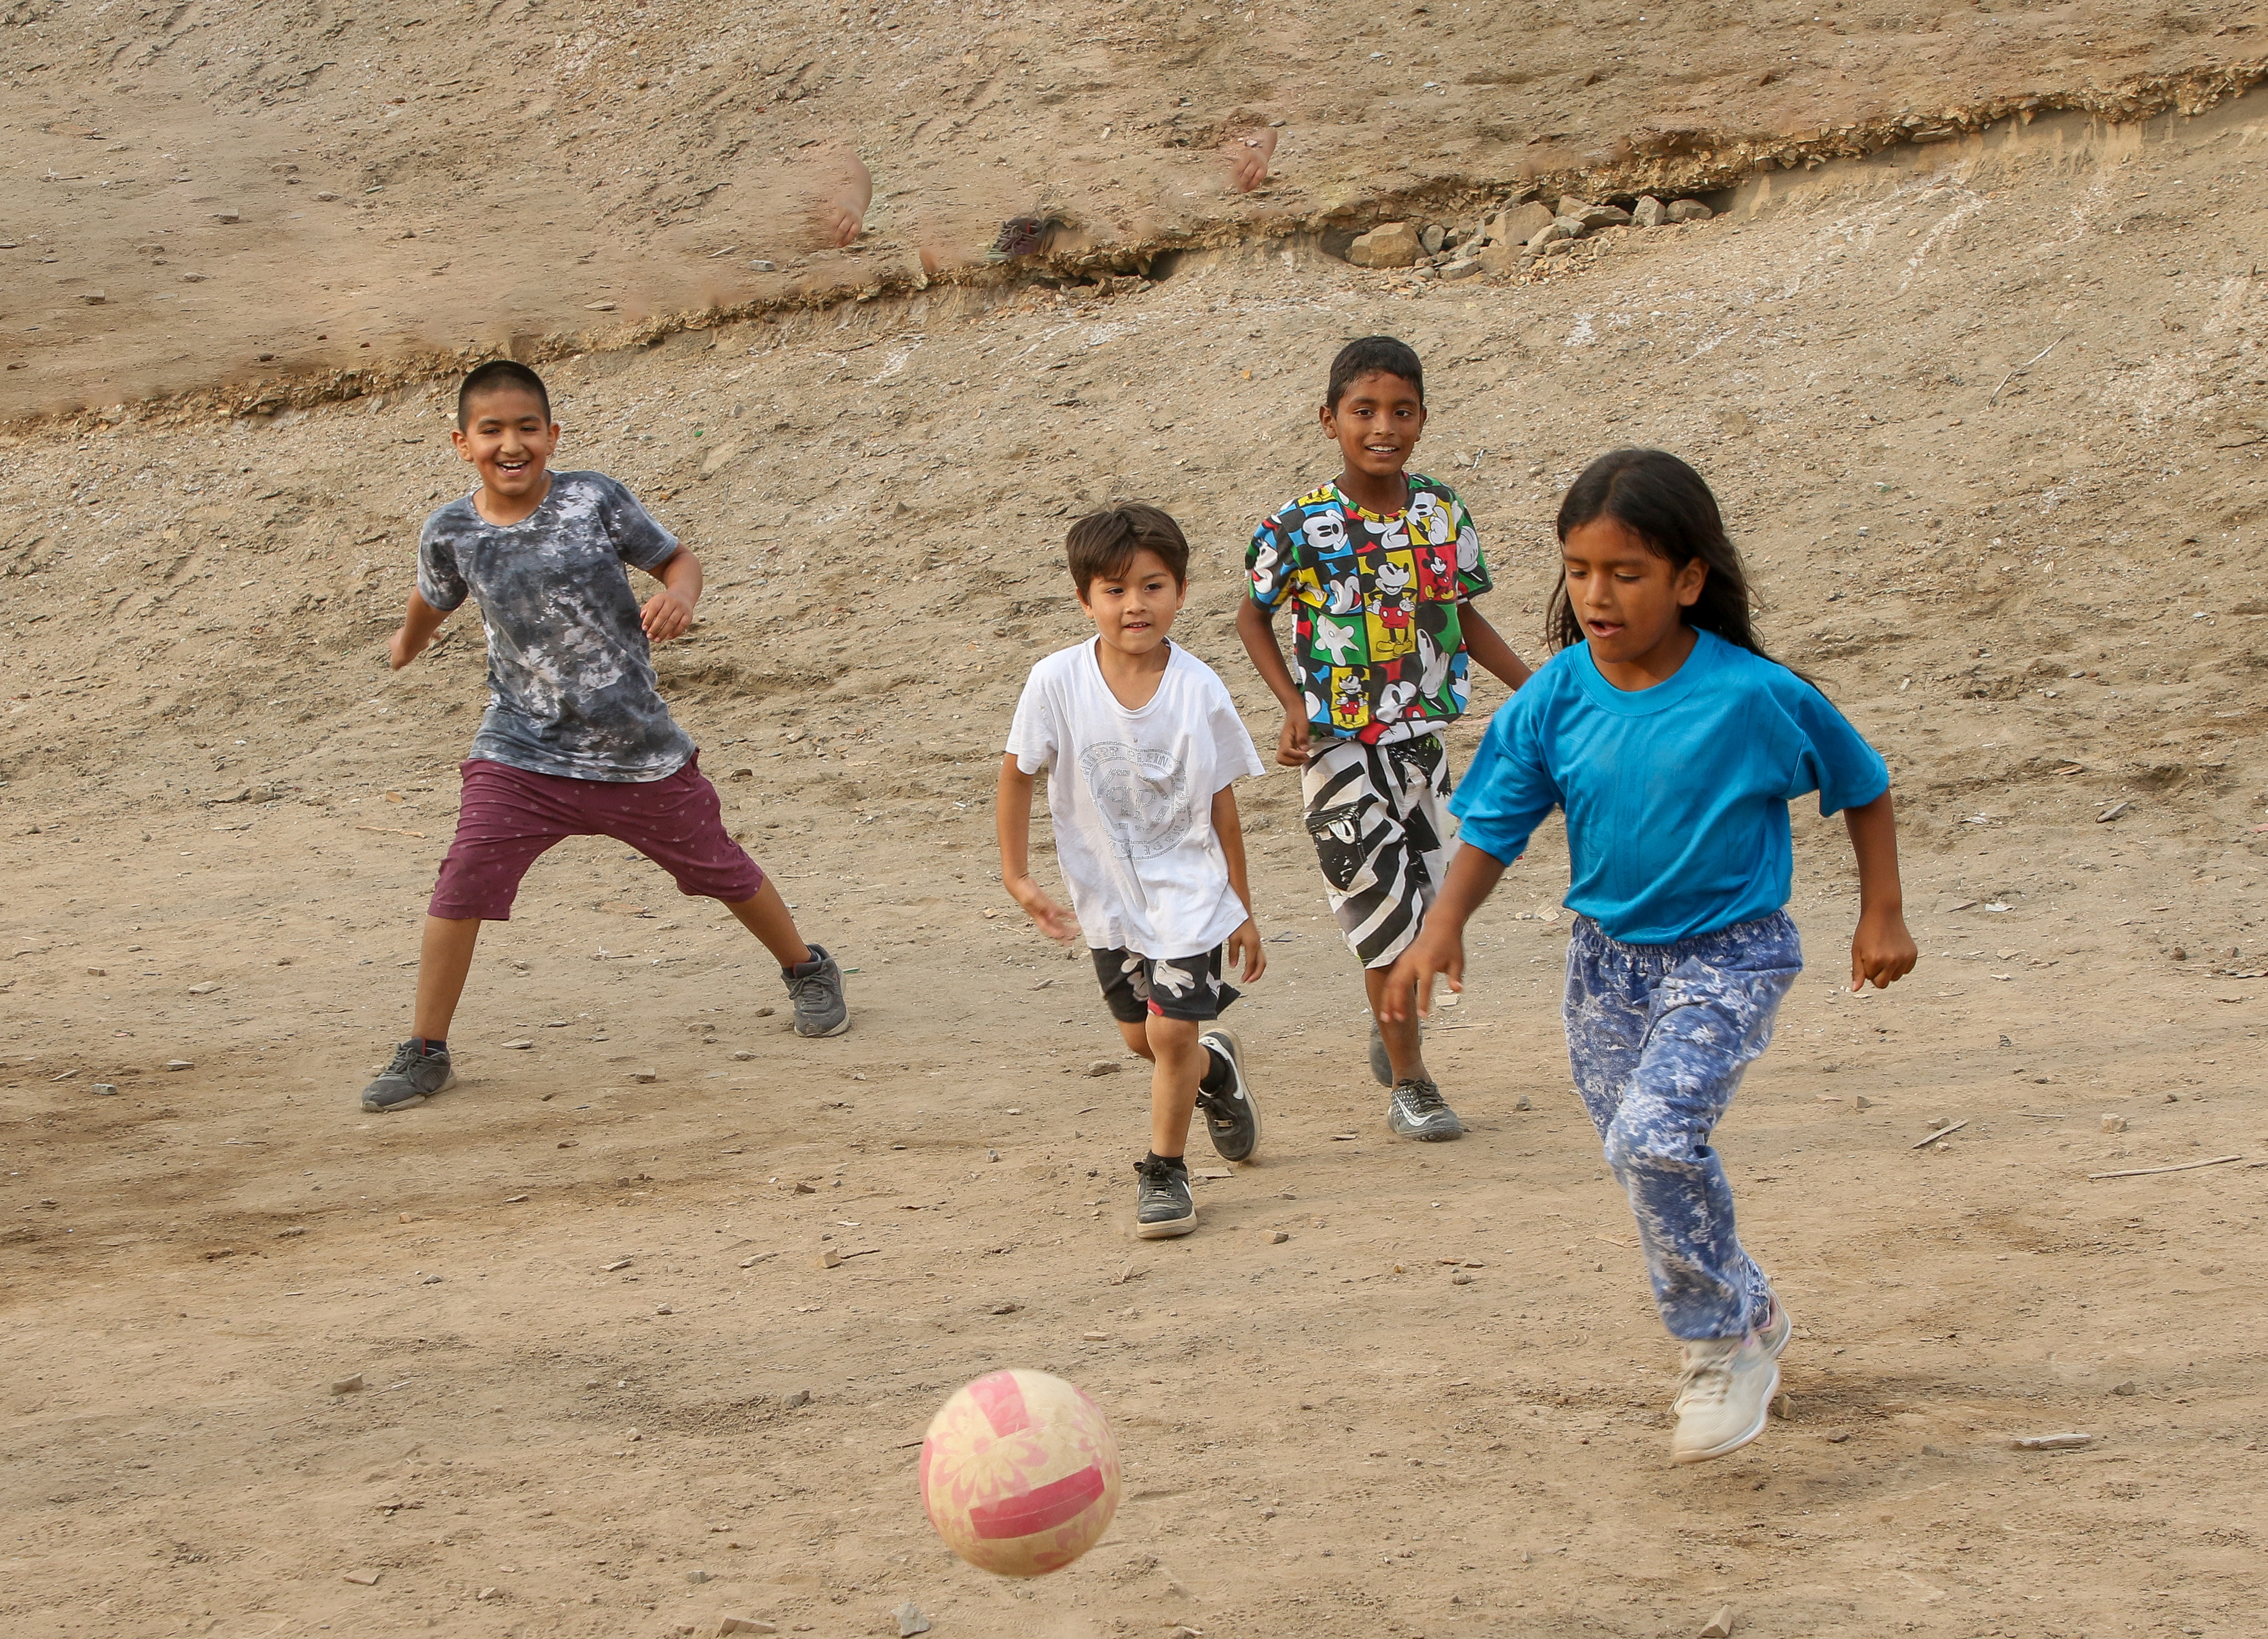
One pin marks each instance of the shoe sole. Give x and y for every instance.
(1165, 1231)
(840, 1025)
(1251, 1104)
(1422, 1137)
(1763, 1421)
(408, 1103)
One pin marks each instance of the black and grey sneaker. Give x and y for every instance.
(1231, 1117)
(1162, 1207)
(816, 988)
(413, 1077)
(1417, 1111)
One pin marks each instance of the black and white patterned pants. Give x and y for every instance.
(1378, 818)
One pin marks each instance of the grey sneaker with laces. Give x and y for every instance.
(1162, 1204)
(1724, 1396)
(1231, 1117)
(1418, 1110)
(413, 1077)
(816, 989)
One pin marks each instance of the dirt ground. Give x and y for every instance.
(1988, 417)
(237, 197)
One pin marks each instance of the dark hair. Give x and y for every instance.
(1104, 543)
(498, 373)
(1374, 355)
(1663, 502)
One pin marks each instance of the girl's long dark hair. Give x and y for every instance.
(1663, 502)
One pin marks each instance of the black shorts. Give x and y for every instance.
(1173, 987)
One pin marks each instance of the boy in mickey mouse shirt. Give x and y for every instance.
(1381, 566)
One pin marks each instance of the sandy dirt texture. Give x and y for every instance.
(1987, 418)
(260, 202)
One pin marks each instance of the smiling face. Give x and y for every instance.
(508, 436)
(1631, 601)
(1134, 608)
(1376, 424)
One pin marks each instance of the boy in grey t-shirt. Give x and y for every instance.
(577, 741)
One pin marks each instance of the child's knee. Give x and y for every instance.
(1652, 1141)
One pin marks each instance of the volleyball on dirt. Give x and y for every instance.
(1019, 1474)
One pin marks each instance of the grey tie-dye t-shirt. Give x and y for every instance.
(571, 688)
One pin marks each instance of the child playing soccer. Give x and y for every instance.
(577, 741)
(1675, 745)
(1381, 566)
(1141, 743)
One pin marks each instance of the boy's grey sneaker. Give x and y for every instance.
(1231, 1117)
(1162, 1207)
(412, 1078)
(1724, 1397)
(816, 988)
(1417, 1111)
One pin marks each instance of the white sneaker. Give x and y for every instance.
(1777, 1329)
(1724, 1397)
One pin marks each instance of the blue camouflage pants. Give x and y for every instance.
(1659, 1037)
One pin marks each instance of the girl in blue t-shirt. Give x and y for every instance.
(1674, 746)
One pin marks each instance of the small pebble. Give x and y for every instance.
(179, 1064)
(348, 1385)
(490, 1593)
(1276, 1238)
(519, 1046)
(763, 1013)
(106, 1090)
(361, 1578)
(696, 1577)
(1105, 1067)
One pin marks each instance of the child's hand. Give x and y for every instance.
(1882, 950)
(1048, 916)
(665, 616)
(1291, 742)
(1244, 946)
(1432, 953)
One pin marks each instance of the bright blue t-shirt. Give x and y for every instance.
(1676, 796)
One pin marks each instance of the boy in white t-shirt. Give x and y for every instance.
(1141, 743)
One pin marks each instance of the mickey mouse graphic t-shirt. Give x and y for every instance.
(1377, 648)
(1130, 793)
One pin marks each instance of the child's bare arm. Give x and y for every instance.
(1011, 819)
(1483, 644)
(1244, 944)
(1439, 950)
(1881, 949)
(669, 611)
(1255, 624)
(419, 622)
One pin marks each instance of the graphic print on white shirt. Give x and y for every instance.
(1143, 796)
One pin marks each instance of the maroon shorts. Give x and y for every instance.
(509, 816)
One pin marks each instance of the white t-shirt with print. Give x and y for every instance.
(1131, 795)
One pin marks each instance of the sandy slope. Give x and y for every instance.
(349, 187)
(2035, 585)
